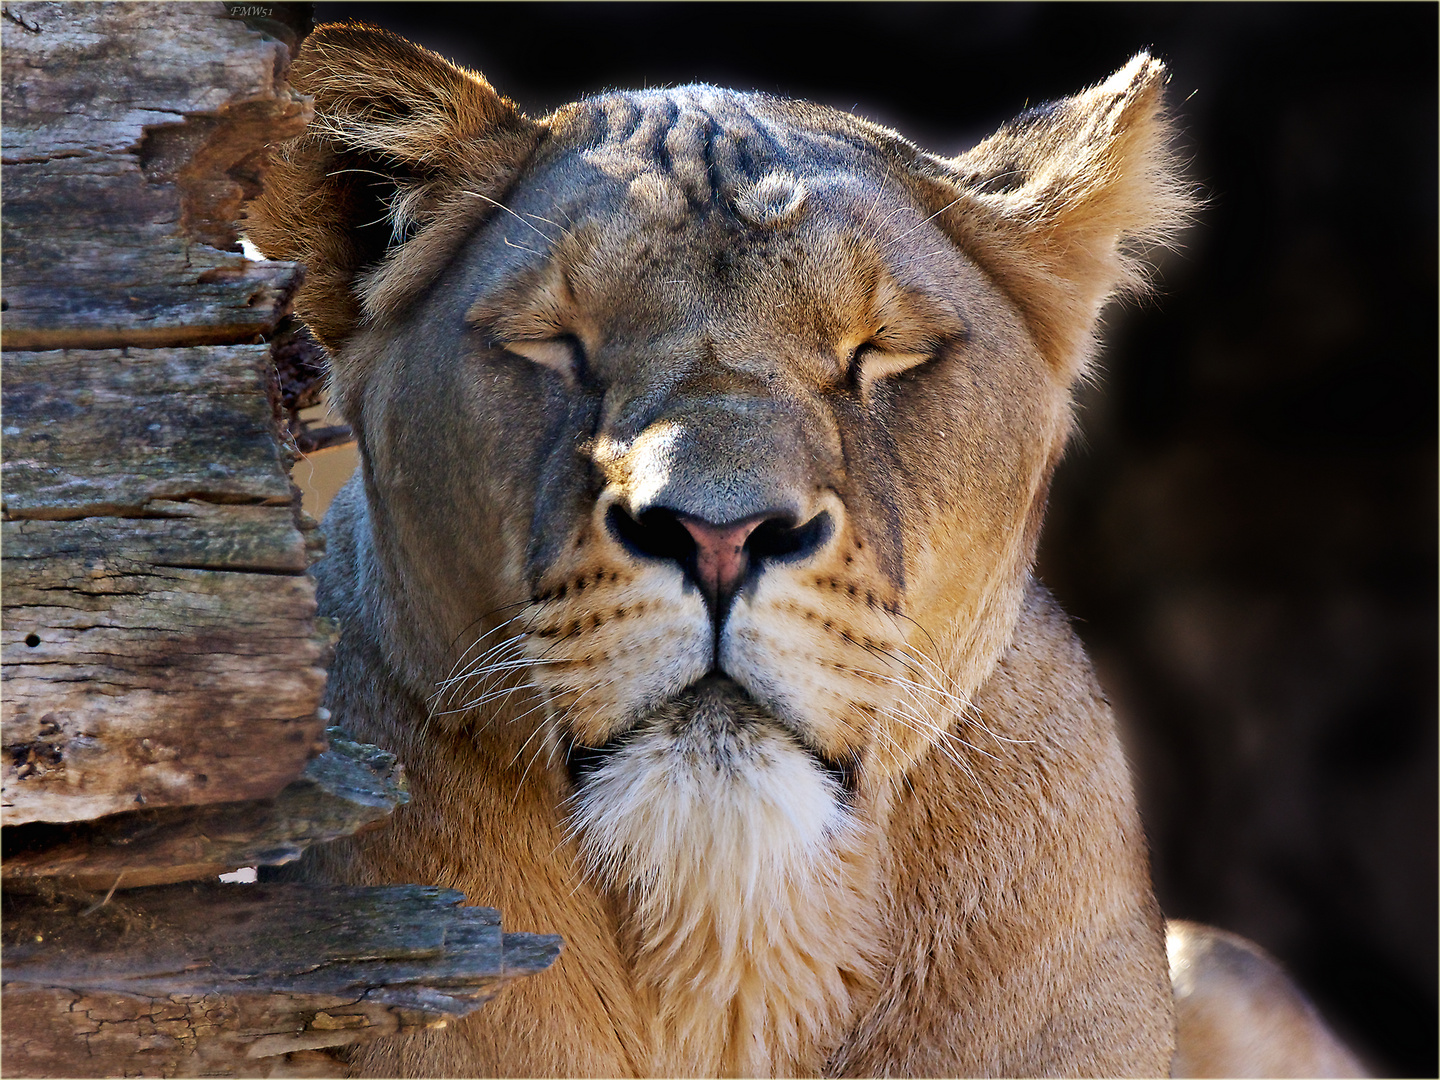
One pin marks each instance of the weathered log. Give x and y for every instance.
(241, 980)
(109, 431)
(347, 789)
(169, 656)
(133, 134)
(182, 535)
(155, 687)
(137, 675)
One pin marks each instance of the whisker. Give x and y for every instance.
(488, 696)
(547, 221)
(513, 644)
(367, 172)
(543, 726)
(965, 707)
(875, 650)
(921, 224)
(517, 217)
(494, 630)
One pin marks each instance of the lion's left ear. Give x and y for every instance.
(404, 150)
(1058, 204)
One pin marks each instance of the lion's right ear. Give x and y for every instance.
(404, 148)
(1059, 204)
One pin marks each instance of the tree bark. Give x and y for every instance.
(133, 134)
(348, 789)
(159, 641)
(242, 980)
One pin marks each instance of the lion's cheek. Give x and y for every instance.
(830, 668)
(610, 654)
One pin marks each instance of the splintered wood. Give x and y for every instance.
(159, 639)
(132, 136)
(348, 789)
(243, 980)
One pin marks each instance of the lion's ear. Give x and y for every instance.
(1059, 203)
(401, 139)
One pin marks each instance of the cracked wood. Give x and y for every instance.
(133, 686)
(133, 134)
(169, 656)
(242, 980)
(110, 431)
(347, 789)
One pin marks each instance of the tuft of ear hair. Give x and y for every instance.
(404, 145)
(1061, 203)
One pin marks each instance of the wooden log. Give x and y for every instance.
(241, 980)
(109, 431)
(133, 134)
(349, 788)
(182, 535)
(169, 656)
(156, 687)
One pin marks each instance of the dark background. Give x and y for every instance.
(1245, 531)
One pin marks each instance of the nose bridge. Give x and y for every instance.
(728, 456)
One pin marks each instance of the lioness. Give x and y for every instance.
(705, 439)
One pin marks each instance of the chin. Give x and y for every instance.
(709, 790)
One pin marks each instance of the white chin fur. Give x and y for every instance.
(746, 889)
(724, 810)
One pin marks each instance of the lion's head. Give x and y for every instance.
(705, 435)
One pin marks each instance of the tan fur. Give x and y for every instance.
(383, 110)
(872, 821)
(1058, 203)
(1238, 1014)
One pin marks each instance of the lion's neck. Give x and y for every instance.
(748, 902)
(768, 986)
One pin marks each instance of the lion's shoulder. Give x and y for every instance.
(1016, 820)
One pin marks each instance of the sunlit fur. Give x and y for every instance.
(1238, 1014)
(873, 821)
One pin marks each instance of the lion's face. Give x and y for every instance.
(752, 428)
(705, 439)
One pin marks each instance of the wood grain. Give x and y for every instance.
(108, 431)
(158, 641)
(347, 789)
(163, 686)
(241, 980)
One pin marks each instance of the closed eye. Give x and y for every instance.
(563, 354)
(870, 362)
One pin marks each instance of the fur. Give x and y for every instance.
(728, 863)
(1238, 1013)
(869, 815)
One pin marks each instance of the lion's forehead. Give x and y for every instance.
(698, 166)
(685, 212)
(674, 217)
(714, 143)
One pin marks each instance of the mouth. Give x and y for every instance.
(709, 718)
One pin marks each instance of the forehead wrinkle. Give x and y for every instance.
(635, 127)
(707, 141)
(890, 235)
(653, 247)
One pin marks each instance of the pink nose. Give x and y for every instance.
(720, 556)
